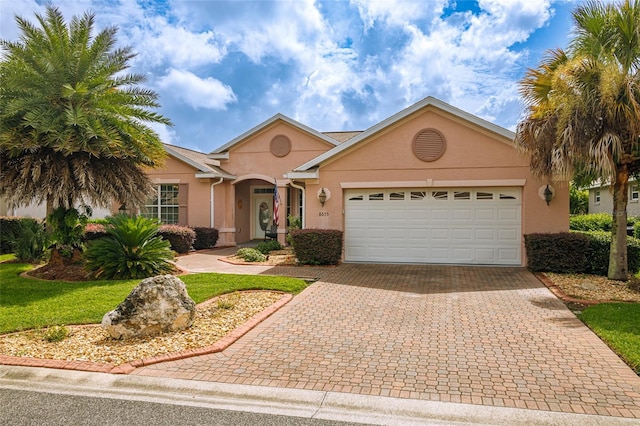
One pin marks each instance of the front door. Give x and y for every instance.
(262, 213)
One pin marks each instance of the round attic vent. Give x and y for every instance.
(280, 146)
(428, 145)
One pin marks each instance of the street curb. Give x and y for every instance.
(127, 368)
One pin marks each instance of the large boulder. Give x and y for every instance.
(157, 305)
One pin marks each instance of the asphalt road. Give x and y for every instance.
(26, 408)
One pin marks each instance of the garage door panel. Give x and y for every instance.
(476, 226)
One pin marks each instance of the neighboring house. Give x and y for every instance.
(601, 198)
(430, 184)
(39, 211)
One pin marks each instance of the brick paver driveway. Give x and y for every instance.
(478, 335)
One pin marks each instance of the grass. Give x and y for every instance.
(618, 325)
(27, 303)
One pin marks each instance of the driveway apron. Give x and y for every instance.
(476, 335)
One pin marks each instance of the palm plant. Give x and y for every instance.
(73, 124)
(131, 249)
(583, 111)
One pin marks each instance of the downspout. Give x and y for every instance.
(304, 199)
(211, 200)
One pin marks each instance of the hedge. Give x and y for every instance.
(181, 238)
(205, 238)
(576, 252)
(317, 246)
(9, 226)
(93, 231)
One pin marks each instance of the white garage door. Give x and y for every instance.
(458, 225)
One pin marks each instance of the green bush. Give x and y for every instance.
(56, 333)
(576, 252)
(562, 252)
(181, 238)
(67, 228)
(578, 200)
(265, 247)
(205, 238)
(132, 249)
(317, 246)
(29, 241)
(295, 222)
(590, 222)
(250, 255)
(9, 227)
(599, 249)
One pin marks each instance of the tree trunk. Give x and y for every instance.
(618, 266)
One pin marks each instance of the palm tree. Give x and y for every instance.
(73, 125)
(583, 109)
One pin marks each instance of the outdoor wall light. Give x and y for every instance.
(548, 194)
(322, 196)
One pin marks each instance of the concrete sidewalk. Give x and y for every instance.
(209, 261)
(284, 401)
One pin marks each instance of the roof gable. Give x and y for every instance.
(197, 160)
(220, 152)
(396, 118)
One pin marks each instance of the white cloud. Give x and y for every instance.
(195, 91)
(397, 12)
(159, 42)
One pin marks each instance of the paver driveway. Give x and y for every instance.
(479, 335)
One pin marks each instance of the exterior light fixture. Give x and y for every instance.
(548, 194)
(322, 197)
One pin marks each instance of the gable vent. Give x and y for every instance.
(280, 146)
(428, 145)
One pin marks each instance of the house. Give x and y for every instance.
(430, 184)
(601, 198)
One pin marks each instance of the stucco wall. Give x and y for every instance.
(471, 155)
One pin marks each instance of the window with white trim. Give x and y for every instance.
(596, 196)
(164, 205)
(634, 193)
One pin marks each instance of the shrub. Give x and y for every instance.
(205, 238)
(576, 252)
(181, 238)
(599, 250)
(67, 228)
(578, 200)
(9, 227)
(317, 246)
(251, 255)
(132, 249)
(590, 222)
(295, 222)
(562, 252)
(57, 333)
(266, 247)
(29, 241)
(93, 231)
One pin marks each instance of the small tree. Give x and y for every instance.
(584, 109)
(73, 124)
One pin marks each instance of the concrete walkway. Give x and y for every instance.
(493, 337)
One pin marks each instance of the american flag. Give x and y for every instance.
(276, 205)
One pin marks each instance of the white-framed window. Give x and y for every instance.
(634, 193)
(164, 205)
(596, 196)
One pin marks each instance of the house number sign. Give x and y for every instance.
(323, 213)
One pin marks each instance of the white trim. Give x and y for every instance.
(227, 230)
(310, 174)
(430, 183)
(210, 175)
(193, 163)
(163, 181)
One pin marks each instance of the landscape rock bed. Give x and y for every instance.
(214, 319)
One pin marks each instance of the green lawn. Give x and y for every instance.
(28, 303)
(618, 325)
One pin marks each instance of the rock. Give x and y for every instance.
(157, 305)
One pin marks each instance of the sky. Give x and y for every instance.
(222, 67)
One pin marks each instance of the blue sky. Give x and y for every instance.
(222, 67)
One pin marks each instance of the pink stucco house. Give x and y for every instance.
(430, 184)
